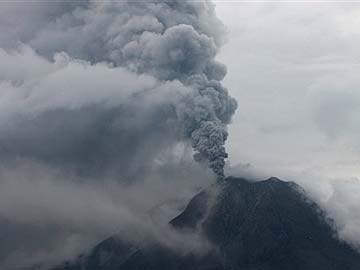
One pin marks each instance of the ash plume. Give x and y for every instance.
(100, 94)
(170, 42)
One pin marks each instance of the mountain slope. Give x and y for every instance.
(268, 225)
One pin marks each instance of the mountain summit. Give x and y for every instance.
(266, 225)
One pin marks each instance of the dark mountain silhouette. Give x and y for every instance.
(267, 225)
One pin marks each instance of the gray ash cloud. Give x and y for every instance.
(173, 44)
(102, 105)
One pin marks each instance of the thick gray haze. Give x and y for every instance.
(102, 106)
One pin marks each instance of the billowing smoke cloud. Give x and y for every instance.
(97, 93)
(173, 43)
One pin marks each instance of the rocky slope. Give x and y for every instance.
(267, 225)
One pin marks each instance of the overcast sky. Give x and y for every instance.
(293, 68)
(103, 103)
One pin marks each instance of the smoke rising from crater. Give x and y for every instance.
(99, 100)
(166, 43)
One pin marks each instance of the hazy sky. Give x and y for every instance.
(294, 69)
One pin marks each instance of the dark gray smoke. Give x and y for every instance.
(170, 41)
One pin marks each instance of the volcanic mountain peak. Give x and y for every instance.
(265, 225)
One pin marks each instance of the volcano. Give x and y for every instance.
(266, 225)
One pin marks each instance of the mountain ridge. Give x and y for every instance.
(264, 225)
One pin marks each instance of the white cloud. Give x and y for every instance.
(277, 54)
(294, 68)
